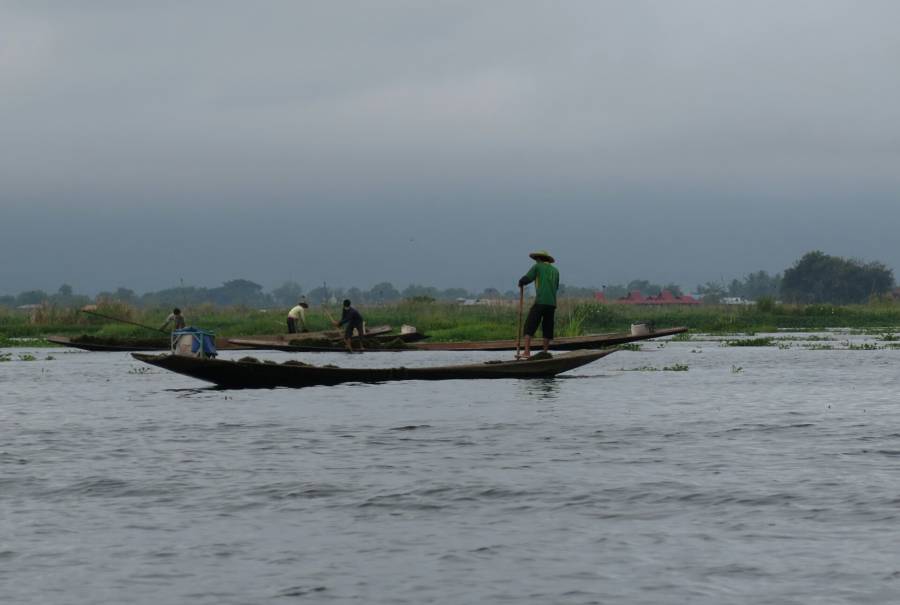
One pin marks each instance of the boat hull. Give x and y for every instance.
(573, 343)
(381, 342)
(94, 346)
(255, 374)
(163, 345)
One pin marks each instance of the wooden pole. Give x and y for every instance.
(519, 327)
(324, 308)
(124, 321)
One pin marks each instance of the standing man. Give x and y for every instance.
(175, 317)
(298, 313)
(353, 320)
(546, 282)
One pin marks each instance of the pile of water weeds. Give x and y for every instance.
(112, 341)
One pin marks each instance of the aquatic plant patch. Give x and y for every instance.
(766, 341)
(678, 367)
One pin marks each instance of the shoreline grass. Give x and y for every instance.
(446, 322)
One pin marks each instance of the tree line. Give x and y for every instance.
(814, 278)
(243, 292)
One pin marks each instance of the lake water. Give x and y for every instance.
(759, 475)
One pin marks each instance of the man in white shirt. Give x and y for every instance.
(298, 314)
(176, 319)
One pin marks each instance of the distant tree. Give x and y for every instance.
(454, 293)
(122, 295)
(7, 301)
(241, 292)
(287, 294)
(383, 292)
(356, 295)
(490, 293)
(125, 295)
(65, 297)
(418, 291)
(712, 292)
(819, 278)
(176, 297)
(31, 297)
(756, 285)
(319, 295)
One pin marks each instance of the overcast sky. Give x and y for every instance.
(144, 143)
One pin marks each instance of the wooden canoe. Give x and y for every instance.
(126, 345)
(572, 343)
(378, 342)
(319, 336)
(158, 344)
(255, 374)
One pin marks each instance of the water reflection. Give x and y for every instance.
(539, 388)
(207, 392)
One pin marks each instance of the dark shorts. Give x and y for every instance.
(543, 315)
(348, 329)
(292, 325)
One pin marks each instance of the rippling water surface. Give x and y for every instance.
(759, 475)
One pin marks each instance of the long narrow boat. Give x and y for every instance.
(377, 342)
(571, 343)
(156, 344)
(316, 336)
(129, 345)
(254, 374)
(87, 342)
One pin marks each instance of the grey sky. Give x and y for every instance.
(439, 142)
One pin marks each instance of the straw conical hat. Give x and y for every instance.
(542, 255)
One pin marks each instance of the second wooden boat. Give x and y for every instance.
(572, 343)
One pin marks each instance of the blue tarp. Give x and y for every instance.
(200, 337)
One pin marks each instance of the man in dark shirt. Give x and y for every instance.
(351, 319)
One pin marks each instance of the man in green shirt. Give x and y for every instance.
(546, 282)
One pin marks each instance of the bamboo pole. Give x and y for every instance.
(124, 321)
(519, 327)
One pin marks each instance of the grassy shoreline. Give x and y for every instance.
(445, 322)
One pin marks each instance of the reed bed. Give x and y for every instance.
(454, 322)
